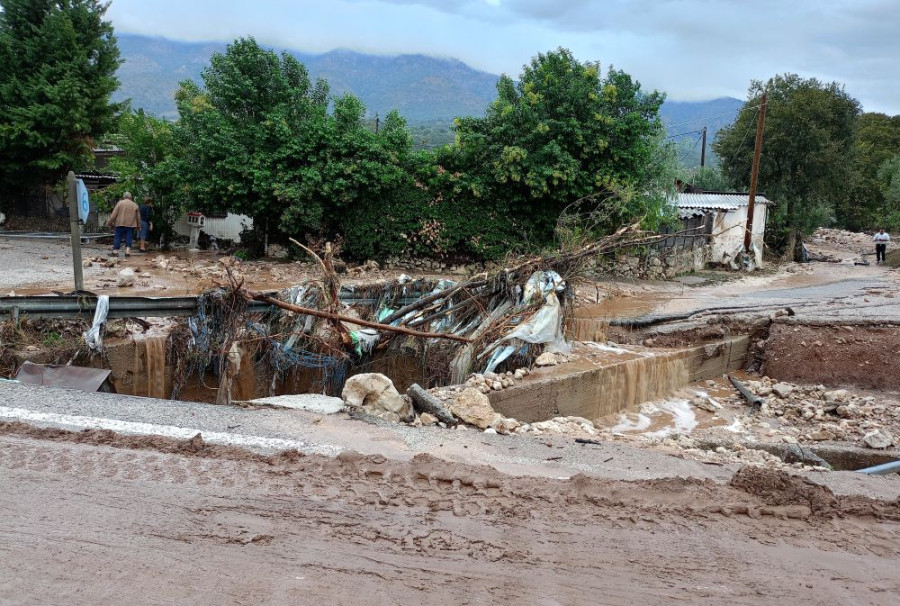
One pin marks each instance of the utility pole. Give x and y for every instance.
(703, 149)
(377, 122)
(754, 174)
(76, 231)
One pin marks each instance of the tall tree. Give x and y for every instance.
(561, 133)
(58, 60)
(865, 206)
(808, 139)
(889, 182)
(147, 168)
(232, 132)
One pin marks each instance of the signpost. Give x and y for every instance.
(75, 204)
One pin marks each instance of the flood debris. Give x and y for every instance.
(426, 403)
(376, 396)
(66, 377)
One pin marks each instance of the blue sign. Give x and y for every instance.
(84, 203)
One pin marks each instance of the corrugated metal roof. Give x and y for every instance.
(717, 201)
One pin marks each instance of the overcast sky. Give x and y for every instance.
(691, 49)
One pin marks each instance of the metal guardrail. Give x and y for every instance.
(74, 306)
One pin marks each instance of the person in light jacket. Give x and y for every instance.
(881, 239)
(125, 218)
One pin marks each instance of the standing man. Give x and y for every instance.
(881, 241)
(125, 218)
(146, 224)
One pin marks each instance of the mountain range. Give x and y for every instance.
(428, 91)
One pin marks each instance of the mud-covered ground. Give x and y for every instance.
(93, 518)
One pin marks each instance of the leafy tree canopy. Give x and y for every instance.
(809, 135)
(58, 60)
(866, 205)
(562, 133)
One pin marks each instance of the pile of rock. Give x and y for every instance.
(574, 426)
(839, 238)
(490, 381)
(807, 414)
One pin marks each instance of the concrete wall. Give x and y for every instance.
(574, 390)
(728, 233)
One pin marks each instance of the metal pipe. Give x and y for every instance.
(883, 469)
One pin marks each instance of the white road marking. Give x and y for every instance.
(168, 431)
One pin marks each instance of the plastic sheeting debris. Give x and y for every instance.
(545, 326)
(93, 336)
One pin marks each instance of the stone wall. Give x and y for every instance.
(443, 266)
(655, 264)
(652, 265)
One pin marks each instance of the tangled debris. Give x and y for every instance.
(498, 321)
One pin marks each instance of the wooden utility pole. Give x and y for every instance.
(703, 149)
(754, 174)
(76, 231)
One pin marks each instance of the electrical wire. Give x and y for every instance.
(705, 118)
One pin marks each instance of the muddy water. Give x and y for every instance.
(591, 322)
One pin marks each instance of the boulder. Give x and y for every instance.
(838, 396)
(474, 408)
(125, 278)
(546, 359)
(783, 390)
(428, 419)
(376, 395)
(879, 439)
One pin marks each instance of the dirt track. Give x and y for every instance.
(94, 518)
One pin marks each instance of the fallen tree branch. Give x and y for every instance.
(417, 305)
(258, 296)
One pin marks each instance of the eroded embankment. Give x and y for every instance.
(834, 355)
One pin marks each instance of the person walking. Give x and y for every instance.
(881, 240)
(125, 218)
(146, 224)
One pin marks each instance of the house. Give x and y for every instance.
(723, 216)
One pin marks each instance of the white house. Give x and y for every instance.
(725, 216)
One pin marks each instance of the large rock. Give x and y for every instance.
(838, 396)
(376, 395)
(126, 278)
(474, 408)
(880, 439)
(783, 390)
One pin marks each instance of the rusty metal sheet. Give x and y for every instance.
(69, 377)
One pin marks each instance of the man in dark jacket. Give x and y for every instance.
(146, 224)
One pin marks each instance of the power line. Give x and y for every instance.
(705, 118)
(690, 132)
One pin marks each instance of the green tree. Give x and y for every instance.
(147, 169)
(231, 134)
(562, 133)
(58, 60)
(258, 139)
(808, 138)
(889, 181)
(877, 140)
